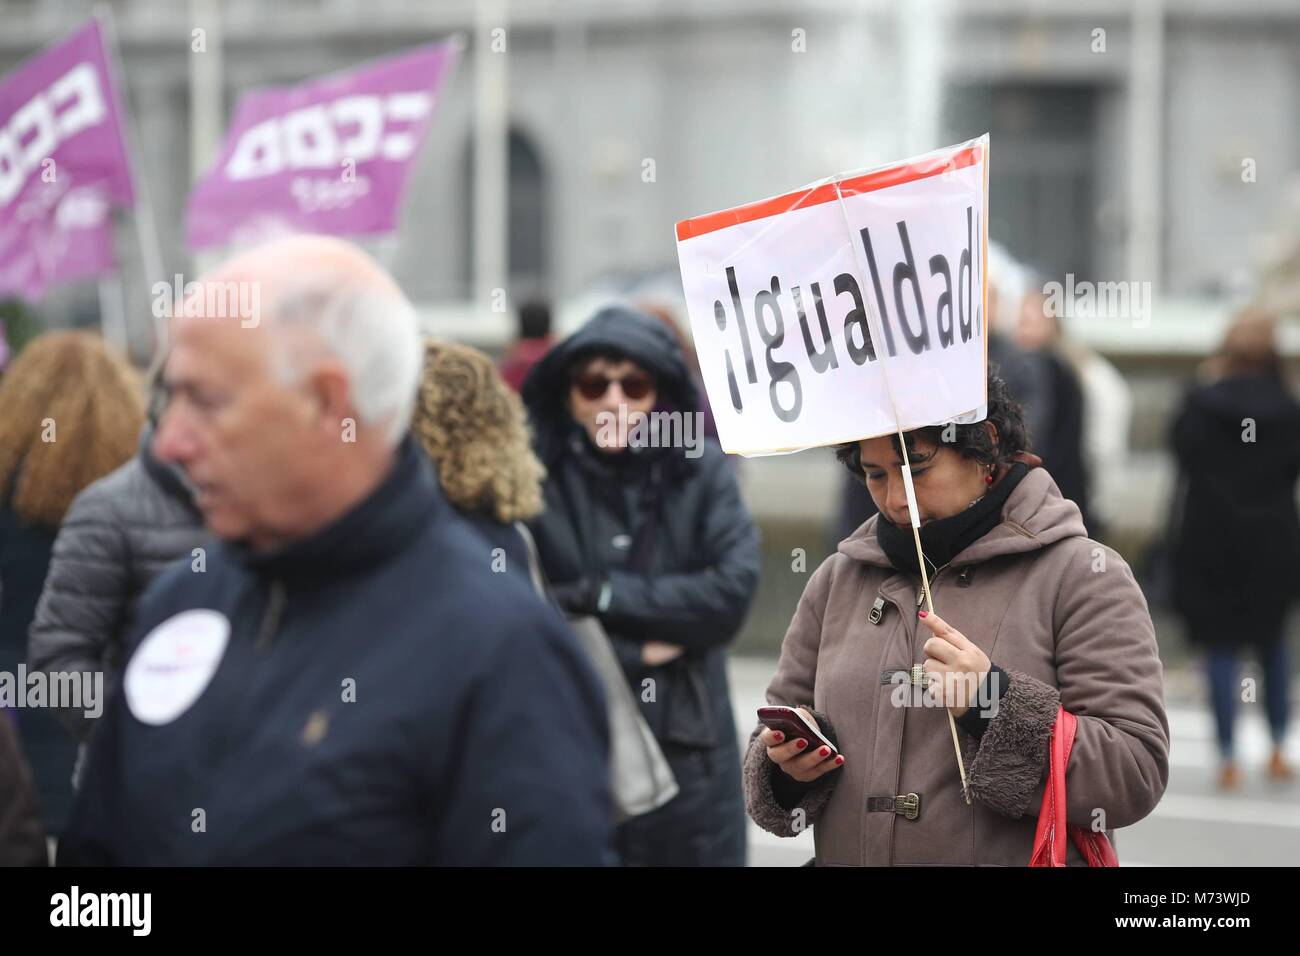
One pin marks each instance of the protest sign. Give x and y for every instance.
(849, 309)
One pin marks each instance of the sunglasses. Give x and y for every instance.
(593, 385)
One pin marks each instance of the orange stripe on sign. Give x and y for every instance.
(866, 183)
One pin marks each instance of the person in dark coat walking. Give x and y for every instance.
(70, 412)
(534, 341)
(22, 837)
(1060, 444)
(346, 682)
(1236, 535)
(120, 532)
(654, 539)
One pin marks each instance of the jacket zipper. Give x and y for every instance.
(912, 634)
(269, 624)
(277, 599)
(920, 599)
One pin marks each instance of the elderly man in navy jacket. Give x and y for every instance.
(343, 678)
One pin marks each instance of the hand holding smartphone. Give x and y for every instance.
(801, 750)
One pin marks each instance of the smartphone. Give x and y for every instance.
(791, 723)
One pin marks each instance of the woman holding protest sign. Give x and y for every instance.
(1033, 617)
(645, 528)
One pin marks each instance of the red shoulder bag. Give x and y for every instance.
(1049, 840)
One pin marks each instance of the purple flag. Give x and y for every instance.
(329, 156)
(75, 241)
(63, 166)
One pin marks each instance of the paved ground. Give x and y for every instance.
(1194, 825)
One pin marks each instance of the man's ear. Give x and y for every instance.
(331, 392)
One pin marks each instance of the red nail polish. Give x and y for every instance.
(779, 736)
(824, 752)
(801, 744)
(839, 761)
(922, 613)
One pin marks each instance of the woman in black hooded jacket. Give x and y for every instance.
(647, 531)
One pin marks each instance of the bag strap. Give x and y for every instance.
(1049, 840)
(1050, 835)
(540, 584)
(651, 756)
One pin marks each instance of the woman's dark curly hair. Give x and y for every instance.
(969, 441)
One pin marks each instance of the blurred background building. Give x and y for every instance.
(1132, 140)
(1153, 143)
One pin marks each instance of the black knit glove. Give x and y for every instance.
(992, 688)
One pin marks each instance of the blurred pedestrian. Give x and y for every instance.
(345, 681)
(1025, 373)
(1236, 534)
(1107, 407)
(533, 341)
(70, 412)
(475, 431)
(1061, 444)
(650, 535)
(22, 837)
(118, 534)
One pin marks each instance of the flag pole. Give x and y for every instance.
(207, 119)
(143, 214)
(112, 312)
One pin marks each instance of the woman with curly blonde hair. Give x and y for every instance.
(475, 430)
(72, 412)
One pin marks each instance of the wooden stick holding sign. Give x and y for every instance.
(880, 318)
(929, 602)
(849, 309)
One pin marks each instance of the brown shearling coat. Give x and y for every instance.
(1062, 614)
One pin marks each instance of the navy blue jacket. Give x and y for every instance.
(477, 735)
(672, 537)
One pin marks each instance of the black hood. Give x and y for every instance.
(614, 329)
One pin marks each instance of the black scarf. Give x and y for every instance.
(944, 538)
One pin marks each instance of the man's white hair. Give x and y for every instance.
(373, 332)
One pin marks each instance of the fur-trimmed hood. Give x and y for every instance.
(1034, 516)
